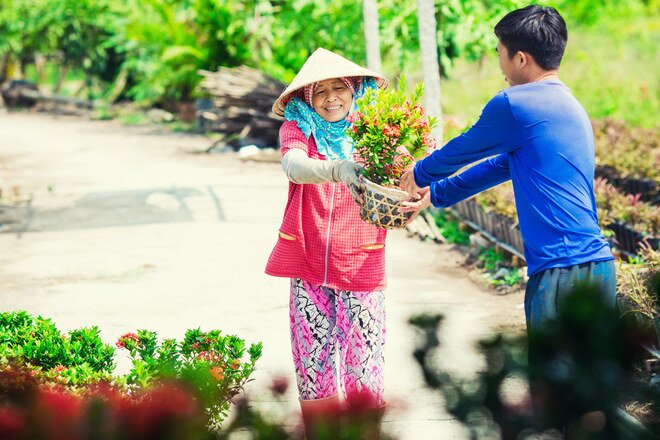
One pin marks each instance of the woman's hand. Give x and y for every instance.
(349, 172)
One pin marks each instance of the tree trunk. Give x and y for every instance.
(64, 70)
(371, 34)
(4, 61)
(40, 67)
(428, 45)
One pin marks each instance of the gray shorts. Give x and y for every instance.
(546, 289)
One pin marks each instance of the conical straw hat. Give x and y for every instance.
(321, 65)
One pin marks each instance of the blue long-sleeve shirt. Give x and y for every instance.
(539, 136)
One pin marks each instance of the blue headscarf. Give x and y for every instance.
(330, 137)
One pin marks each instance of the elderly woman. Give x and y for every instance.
(336, 262)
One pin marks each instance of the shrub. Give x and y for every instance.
(215, 363)
(76, 359)
(215, 366)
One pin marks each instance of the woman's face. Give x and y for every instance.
(332, 100)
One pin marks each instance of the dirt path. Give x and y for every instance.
(131, 228)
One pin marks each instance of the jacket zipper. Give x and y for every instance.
(327, 236)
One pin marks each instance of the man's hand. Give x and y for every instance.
(416, 206)
(408, 183)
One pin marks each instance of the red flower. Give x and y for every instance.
(58, 369)
(279, 385)
(12, 424)
(121, 342)
(216, 372)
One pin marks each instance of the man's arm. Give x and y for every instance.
(451, 190)
(495, 132)
(480, 177)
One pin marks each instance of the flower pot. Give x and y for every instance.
(629, 239)
(379, 206)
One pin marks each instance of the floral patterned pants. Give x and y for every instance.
(325, 321)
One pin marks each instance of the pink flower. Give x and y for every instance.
(391, 131)
(421, 124)
(209, 356)
(354, 117)
(429, 141)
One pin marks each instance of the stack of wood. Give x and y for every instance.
(21, 93)
(241, 104)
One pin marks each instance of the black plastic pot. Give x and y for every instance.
(647, 188)
(629, 239)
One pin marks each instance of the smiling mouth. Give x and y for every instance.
(332, 109)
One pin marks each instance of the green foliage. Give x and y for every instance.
(491, 258)
(150, 50)
(218, 365)
(77, 33)
(465, 30)
(389, 130)
(335, 25)
(599, 12)
(167, 42)
(450, 227)
(498, 266)
(78, 358)
(601, 66)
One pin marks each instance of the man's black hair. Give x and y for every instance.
(538, 30)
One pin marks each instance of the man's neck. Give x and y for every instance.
(545, 75)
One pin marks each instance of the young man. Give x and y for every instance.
(538, 135)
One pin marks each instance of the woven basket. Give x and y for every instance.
(379, 206)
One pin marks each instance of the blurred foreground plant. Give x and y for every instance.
(30, 410)
(578, 375)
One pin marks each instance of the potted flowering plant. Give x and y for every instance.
(389, 131)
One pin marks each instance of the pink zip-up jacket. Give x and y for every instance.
(322, 239)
